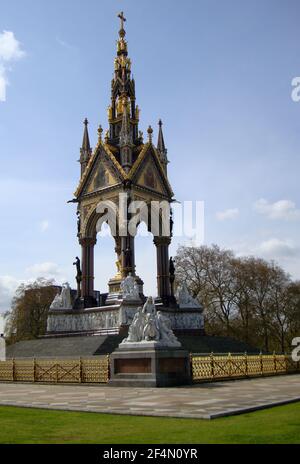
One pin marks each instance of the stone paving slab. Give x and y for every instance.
(203, 401)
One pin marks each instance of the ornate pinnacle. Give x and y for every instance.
(85, 150)
(150, 132)
(100, 131)
(161, 144)
(86, 141)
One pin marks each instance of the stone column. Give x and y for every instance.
(163, 278)
(87, 260)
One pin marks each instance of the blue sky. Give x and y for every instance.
(219, 75)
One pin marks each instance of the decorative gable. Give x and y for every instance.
(150, 177)
(102, 171)
(101, 177)
(148, 172)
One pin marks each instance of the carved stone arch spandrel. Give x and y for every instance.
(97, 215)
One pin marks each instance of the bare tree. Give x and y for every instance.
(245, 320)
(208, 273)
(250, 298)
(28, 316)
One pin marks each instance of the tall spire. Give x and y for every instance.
(85, 150)
(161, 146)
(122, 89)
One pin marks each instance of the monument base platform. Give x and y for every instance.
(149, 367)
(68, 345)
(114, 319)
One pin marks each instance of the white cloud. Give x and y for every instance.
(3, 83)
(65, 44)
(282, 209)
(10, 47)
(276, 248)
(285, 252)
(8, 286)
(227, 214)
(44, 225)
(10, 50)
(47, 270)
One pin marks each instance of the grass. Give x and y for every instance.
(21, 425)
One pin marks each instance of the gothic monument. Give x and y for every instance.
(122, 174)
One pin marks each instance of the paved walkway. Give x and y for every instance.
(207, 400)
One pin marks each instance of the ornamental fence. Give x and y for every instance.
(80, 370)
(230, 366)
(204, 368)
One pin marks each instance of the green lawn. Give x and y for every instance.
(20, 425)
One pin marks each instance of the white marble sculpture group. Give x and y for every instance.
(149, 325)
(185, 300)
(62, 300)
(130, 289)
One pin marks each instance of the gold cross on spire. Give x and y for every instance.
(122, 18)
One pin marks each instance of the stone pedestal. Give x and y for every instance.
(149, 365)
(115, 292)
(2, 349)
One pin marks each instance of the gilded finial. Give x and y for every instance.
(122, 19)
(100, 130)
(150, 132)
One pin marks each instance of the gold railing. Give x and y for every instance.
(96, 369)
(80, 370)
(220, 366)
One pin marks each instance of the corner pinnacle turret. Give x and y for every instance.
(85, 150)
(161, 146)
